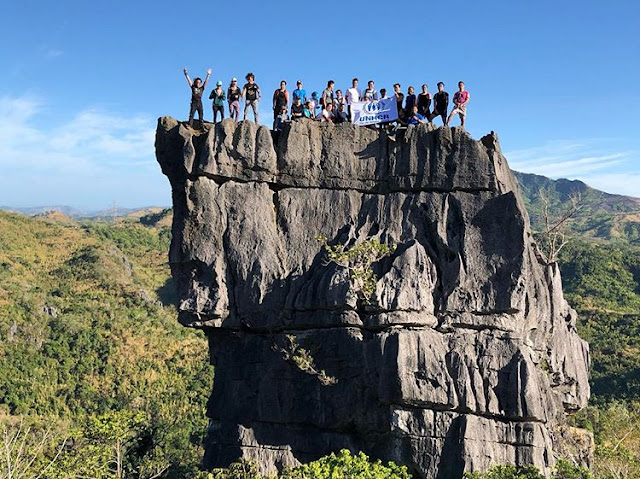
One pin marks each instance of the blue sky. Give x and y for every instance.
(84, 82)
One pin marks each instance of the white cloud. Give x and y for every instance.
(53, 53)
(598, 162)
(93, 157)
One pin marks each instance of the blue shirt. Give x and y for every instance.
(415, 119)
(300, 93)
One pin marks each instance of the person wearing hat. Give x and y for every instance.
(218, 97)
(233, 97)
(280, 101)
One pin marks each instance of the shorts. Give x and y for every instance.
(462, 111)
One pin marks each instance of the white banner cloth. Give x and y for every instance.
(372, 112)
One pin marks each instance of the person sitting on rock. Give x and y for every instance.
(460, 100)
(424, 102)
(315, 104)
(233, 97)
(197, 89)
(413, 119)
(297, 109)
(341, 116)
(280, 100)
(440, 104)
(327, 114)
(338, 100)
(309, 111)
(281, 120)
(218, 97)
(251, 94)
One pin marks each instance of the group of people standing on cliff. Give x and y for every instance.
(331, 106)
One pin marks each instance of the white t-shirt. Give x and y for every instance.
(326, 115)
(353, 95)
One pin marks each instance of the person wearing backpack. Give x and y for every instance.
(233, 97)
(280, 101)
(327, 95)
(370, 94)
(197, 89)
(218, 97)
(251, 95)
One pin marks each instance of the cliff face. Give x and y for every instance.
(467, 358)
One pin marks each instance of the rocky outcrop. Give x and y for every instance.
(467, 357)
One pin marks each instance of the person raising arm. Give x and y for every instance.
(197, 89)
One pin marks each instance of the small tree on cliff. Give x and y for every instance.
(553, 237)
(359, 260)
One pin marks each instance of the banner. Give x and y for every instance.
(372, 112)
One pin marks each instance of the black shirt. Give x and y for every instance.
(251, 91)
(196, 93)
(233, 94)
(441, 101)
(340, 117)
(297, 111)
(424, 101)
(279, 99)
(399, 100)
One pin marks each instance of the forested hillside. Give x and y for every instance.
(91, 354)
(90, 351)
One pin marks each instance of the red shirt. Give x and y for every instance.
(461, 97)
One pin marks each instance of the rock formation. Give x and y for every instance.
(467, 357)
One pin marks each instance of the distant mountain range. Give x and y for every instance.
(601, 216)
(115, 212)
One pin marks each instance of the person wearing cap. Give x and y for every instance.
(218, 97)
(251, 94)
(315, 103)
(280, 101)
(197, 89)
(300, 92)
(233, 97)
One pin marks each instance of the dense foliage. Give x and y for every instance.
(90, 350)
(98, 380)
(342, 465)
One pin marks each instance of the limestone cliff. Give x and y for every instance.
(469, 355)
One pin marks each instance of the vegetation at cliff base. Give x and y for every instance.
(97, 378)
(90, 352)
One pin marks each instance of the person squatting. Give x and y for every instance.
(330, 106)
